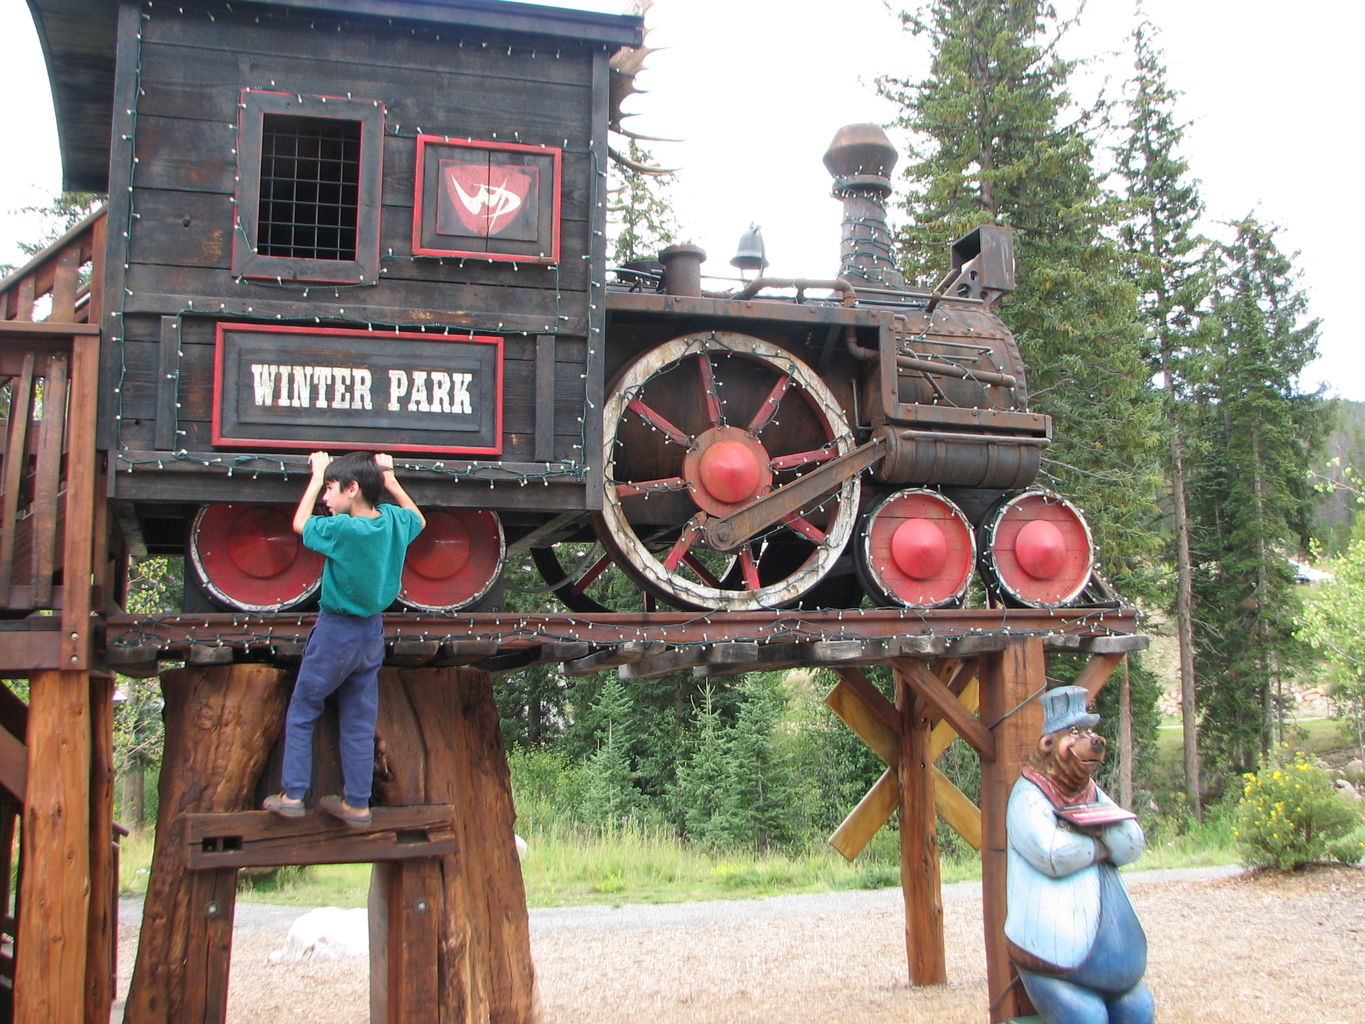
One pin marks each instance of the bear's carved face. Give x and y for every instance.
(1069, 757)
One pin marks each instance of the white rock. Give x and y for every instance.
(327, 933)
(521, 846)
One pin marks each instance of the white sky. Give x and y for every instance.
(757, 88)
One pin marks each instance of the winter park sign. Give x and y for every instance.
(305, 387)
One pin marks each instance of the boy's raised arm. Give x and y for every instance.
(385, 464)
(319, 461)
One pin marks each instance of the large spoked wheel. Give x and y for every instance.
(587, 578)
(702, 427)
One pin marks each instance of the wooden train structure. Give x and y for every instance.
(382, 224)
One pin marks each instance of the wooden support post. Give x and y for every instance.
(211, 899)
(1009, 684)
(439, 743)
(1097, 671)
(54, 891)
(101, 958)
(405, 910)
(924, 944)
(221, 723)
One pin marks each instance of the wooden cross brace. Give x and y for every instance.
(953, 695)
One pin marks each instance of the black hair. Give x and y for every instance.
(358, 467)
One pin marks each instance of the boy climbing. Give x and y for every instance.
(364, 543)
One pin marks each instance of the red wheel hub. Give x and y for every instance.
(918, 550)
(454, 560)
(248, 557)
(727, 469)
(730, 472)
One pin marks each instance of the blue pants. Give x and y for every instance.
(343, 656)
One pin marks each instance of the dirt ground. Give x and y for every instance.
(1246, 949)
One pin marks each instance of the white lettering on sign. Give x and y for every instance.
(292, 386)
(300, 386)
(430, 391)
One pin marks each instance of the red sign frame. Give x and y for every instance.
(512, 188)
(387, 351)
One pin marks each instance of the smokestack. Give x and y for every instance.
(861, 158)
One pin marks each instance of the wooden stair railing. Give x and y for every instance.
(49, 353)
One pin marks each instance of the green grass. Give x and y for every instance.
(569, 866)
(1320, 736)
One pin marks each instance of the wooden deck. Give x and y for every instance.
(641, 645)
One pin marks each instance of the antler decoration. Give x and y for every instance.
(626, 63)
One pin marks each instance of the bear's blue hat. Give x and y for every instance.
(1065, 707)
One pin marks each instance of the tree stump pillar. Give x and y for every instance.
(449, 936)
(221, 723)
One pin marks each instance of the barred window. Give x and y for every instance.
(308, 188)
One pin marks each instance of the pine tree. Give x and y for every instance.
(1173, 286)
(640, 217)
(1260, 433)
(65, 211)
(757, 788)
(993, 140)
(701, 774)
(611, 797)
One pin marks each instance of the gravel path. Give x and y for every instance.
(1225, 948)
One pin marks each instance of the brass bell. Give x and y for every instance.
(750, 255)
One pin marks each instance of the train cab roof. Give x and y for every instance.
(80, 41)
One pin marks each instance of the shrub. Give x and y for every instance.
(1291, 815)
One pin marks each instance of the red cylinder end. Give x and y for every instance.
(441, 550)
(262, 543)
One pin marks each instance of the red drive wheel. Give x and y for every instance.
(249, 557)
(1036, 550)
(917, 550)
(454, 560)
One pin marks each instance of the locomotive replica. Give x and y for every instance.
(328, 250)
(382, 225)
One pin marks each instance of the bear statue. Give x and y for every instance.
(1071, 930)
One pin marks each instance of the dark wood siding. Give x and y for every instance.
(174, 178)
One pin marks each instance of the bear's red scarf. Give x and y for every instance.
(1050, 790)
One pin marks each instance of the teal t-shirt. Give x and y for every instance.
(364, 566)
